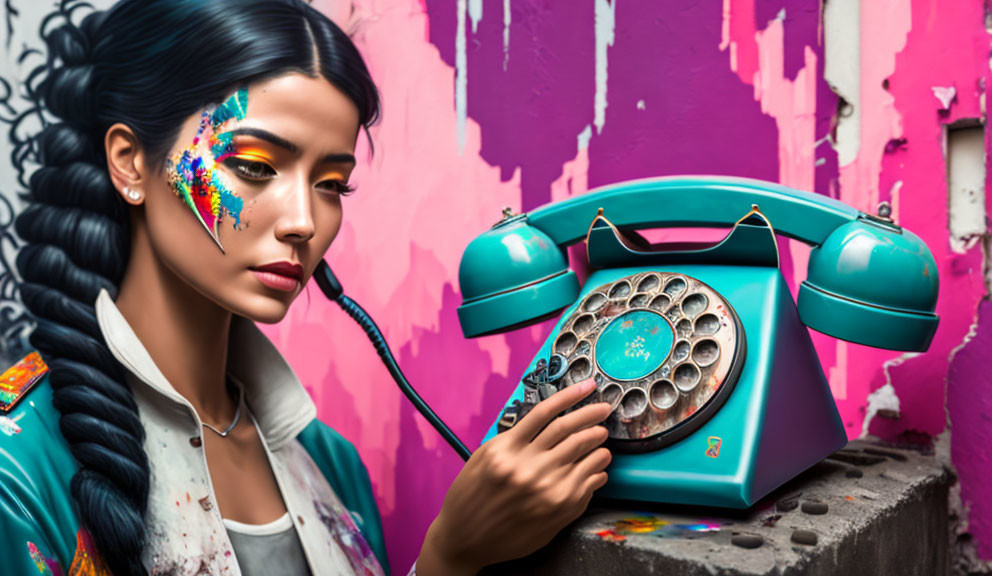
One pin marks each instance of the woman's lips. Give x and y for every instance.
(283, 276)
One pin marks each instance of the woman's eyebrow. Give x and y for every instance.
(264, 135)
(343, 158)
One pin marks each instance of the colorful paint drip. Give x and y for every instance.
(653, 526)
(349, 538)
(87, 562)
(19, 378)
(193, 173)
(46, 566)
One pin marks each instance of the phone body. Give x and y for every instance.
(718, 394)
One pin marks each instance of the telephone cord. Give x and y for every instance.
(331, 287)
(379, 342)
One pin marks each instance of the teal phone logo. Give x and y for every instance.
(713, 446)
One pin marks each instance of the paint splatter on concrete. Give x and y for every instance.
(654, 526)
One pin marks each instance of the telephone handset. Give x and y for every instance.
(718, 395)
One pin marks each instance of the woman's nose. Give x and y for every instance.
(296, 219)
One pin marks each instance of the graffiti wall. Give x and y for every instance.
(517, 103)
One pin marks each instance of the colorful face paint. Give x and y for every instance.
(193, 172)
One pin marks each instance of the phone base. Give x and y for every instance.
(779, 420)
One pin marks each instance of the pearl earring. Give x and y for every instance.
(132, 193)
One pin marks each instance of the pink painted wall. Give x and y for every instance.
(484, 109)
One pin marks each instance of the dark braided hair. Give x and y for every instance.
(149, 64)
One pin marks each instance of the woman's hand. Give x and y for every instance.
(521, 488)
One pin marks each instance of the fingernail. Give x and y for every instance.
(587, 385)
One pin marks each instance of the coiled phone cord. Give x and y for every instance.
(331, 288)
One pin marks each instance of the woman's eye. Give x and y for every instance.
(339, 186)
(249, 169)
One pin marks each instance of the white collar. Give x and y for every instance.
(281, 406)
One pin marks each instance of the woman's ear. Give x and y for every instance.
(126, 163)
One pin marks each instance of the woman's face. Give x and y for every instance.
(249, 198)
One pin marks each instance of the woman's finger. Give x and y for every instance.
(577, 445)
(567, 425)
(594, 463)
(584, 492)
(547, 409)
(593, 483)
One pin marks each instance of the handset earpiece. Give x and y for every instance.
(511, 276)
(872, 282)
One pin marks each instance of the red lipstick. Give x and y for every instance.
(283, 276)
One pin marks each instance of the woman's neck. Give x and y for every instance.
(185, 333)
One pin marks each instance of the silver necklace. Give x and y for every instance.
(237, 417)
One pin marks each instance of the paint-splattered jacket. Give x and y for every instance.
(324, 485)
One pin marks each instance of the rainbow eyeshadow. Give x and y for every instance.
(193, 172)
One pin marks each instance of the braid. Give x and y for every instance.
(75, 229)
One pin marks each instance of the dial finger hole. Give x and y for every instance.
(694, 304)
(705, 352)
(583, 323)
(566, 343)
(611, 393)
(580, 369)
(661, 303)
(686, 377)
(663, 394)
(620, 290)
(594, 302)
(684, 328)
(633, 403)
(675, 287)
(639, 301)
(649, 283)
(707, 324)
(583, 348)
(681, 351)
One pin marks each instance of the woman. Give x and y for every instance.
(193, 158)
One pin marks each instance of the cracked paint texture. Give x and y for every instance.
(732, 88)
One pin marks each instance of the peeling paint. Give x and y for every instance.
(883, 400)
(945, 95)
(461, 76)
(842, 71)
(584, 137)
(605, 20)
(966, 186)
(475, 14)
(507, 18)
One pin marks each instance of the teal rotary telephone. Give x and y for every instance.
(717, 392)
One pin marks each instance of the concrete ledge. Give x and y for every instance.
(886, 513)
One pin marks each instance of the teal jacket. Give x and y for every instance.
(38, 523)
